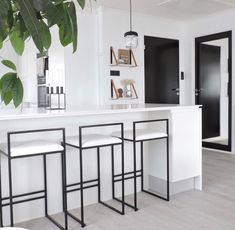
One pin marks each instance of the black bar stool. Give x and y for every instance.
(17, 150)
(91, 141)
(140, 136)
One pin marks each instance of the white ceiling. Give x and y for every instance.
(175, 9)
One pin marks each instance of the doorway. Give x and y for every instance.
(161, 70)
(213, 88)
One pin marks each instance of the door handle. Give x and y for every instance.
(198, 91)
(177, 90)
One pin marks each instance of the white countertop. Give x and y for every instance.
(32, 113)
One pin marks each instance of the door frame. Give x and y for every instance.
(198, 41)
(179, 44)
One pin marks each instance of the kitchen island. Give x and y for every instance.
(185, 152)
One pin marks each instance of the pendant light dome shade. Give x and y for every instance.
(131, 36)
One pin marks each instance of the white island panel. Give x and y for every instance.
(185, 150)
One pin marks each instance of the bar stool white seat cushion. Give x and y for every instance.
(31, 148)
(141, 134)
(92, 140)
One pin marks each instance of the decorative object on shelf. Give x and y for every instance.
(42, 78)
(126, 58)
(131, 36)
(56, 98)
(129, 89)
(114, 90)
(120, 93)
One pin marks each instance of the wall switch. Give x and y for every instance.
(182, 76)
(114, 73)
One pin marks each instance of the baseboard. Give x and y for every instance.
(160, 186)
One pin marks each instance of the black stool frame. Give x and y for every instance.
(140, 173)
(82, 185)
(42, 194)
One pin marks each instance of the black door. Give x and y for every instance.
(213, 88)
(161, 70)
(209, 86)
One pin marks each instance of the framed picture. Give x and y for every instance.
(124, 56)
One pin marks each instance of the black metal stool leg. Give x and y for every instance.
(1, 218)
(123, 180)
(135, 178)
(10, 192)
(112, 167)
(98, 173)
(64, 182)
(81, 189)
(45, 183)
(62, 174)
(168, 171)
(142, 165)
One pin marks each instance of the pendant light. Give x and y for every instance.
(131, 36)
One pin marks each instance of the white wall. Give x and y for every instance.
(81, 68)
(113, 24)
(216, 23)
(87, 71)
(28, 72)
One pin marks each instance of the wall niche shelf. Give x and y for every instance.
(125, 58)
(128, 92)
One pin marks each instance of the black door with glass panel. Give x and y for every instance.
(161, 70)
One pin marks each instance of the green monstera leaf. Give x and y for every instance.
(11, 87)
(23, 19)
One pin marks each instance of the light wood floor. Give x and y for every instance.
(212, 209)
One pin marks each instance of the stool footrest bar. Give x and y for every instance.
(86, 187)
(23, 201)
(127, 173)
(127, 178)
(84, 182)
(24, 194)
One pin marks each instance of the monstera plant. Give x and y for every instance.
(21, 20)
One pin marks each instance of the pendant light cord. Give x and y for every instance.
(130, 15)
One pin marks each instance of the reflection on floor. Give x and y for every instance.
(217, 140)
(212, 209)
